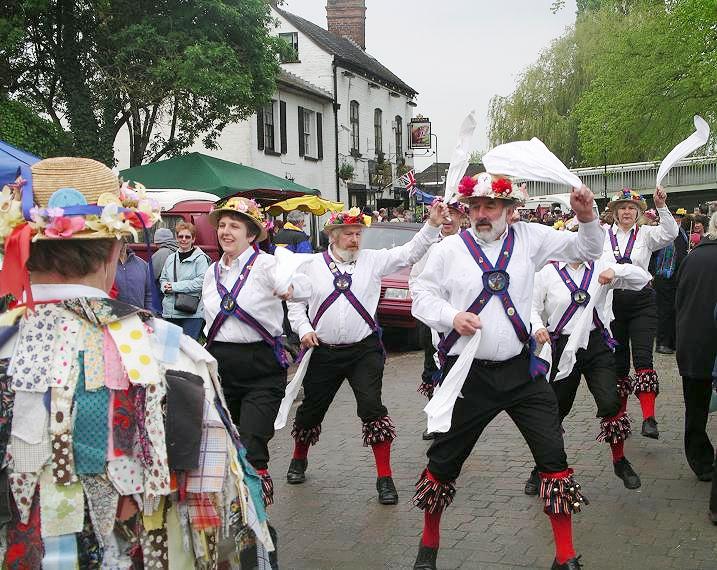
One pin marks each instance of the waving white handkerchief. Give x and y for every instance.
(287, 263)
(440, 409)
(460, 157)
(531, 160)
(292, 390)
(690, 144)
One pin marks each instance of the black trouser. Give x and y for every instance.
(597, 364)
(254, 384)
(665, 290)
(634, 328)
(698, 447)
(425, 341)
(360, 363)
(487, 391)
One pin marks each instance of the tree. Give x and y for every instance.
(170, 71)
(22, 127)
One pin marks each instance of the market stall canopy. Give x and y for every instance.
(196, 171)
(10, 159)
(311, 204)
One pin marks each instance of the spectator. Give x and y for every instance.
(698, 228)
(183, 272)
(166, 245)
(132, 281)
(292, 236)
(696, 352)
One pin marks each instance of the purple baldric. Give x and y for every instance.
(495, 283)
(230, 307)
(628, 249)
(579, 297)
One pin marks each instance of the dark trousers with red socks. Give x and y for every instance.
(254, 385)
(487, 391)
(634, 328)
(362, 365)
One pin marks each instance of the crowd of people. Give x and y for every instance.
(166, 459)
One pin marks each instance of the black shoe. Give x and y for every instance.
(297, 472)
(706, 476)
(665, 349)
(427, 436)
(713, 517)
(426, 559)
(387, 494)
(274, 556)
(624, 470)
(649, 428)
(532, 484)
(572, 564)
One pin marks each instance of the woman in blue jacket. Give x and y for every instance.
(183, 272)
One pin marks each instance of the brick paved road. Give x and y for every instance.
(335, 521)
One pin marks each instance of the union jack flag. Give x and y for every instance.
(410, 181)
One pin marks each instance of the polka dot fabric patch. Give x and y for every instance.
(65, 352)
(125, 473)
(132, 342)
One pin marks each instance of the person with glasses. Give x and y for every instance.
(183, 272)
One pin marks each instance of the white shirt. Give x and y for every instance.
(341, 323)
(649, 239)
(452, 280)
(256, 298)
(63, 291)
(551, 296)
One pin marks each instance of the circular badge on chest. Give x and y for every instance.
(496, 281)
(580, 297)
(342, 282)
(228, 304)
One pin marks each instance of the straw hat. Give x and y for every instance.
(485, 185)
(246, 208)
(352, 217)
(89, 177)
(627, 196)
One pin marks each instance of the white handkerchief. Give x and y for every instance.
(690, 144)
(287, 263)
(292, 390)
(460, 157)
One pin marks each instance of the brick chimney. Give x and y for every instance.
(347, 18)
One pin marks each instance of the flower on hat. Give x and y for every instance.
(64, 226)
(466, 185)
(112, 221)
(502, 186)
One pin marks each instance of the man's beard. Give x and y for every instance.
(497, 228)
(347, 255)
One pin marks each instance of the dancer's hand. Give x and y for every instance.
(581, 201)
(606, 277)
(309, 340)
(542, 336)
(466, 324)
(660, 197)
(286, 296)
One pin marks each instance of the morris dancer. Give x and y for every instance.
(428, 339)
(244, 317)
(560, 294)
(635, 323)
(489, 269)
(345, 287)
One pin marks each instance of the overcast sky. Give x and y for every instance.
(456, 53)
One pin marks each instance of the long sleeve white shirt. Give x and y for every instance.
(341, 323)
(649, 239)
(551, 296)
(256, 298)
(452, 280)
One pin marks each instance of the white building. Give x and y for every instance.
(335, 108)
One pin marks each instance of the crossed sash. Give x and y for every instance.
(628, 249)
(229, 307)
(495, 283)
(579, 297)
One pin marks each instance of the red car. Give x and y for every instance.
(394, 304)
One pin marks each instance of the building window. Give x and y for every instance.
(399, 140)
(378, 130)
(291, 38)
(269, 126)
(354, 127)
(308, 137)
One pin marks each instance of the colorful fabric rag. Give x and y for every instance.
(144, 448)
(123, 422)
(155, 548)
(89, 549)
(60, 552)
(24, 541)
(115, 375)
(7, 401)
(209, 476)
(166, 340)
(62, 506)
(90, 430)
(66, 349)
(135, 350)
(102, 499)
(202, 513)
(185, 411)
(34, 354)
(31, 457)
(126, 475)
(30, 417)
(156, 477)
(92, 347)
(63, 462)
(23, 487)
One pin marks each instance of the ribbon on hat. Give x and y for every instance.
(690, 144)
(14, 276)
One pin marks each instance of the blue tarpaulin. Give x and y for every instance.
(11, 158)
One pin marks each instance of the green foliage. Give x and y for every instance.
(476, 157)
(346, 171)
(22, 127)
(622, 86)
(171, 71)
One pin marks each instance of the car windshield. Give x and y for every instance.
(383, 237)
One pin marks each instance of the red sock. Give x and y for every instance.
(301, 450)
(431, 529)
(382, 454)
(618, 451)
(563, 532)
(647, 403)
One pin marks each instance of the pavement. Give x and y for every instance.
(334, 521)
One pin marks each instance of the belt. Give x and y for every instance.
(349, 345)
(498, 363)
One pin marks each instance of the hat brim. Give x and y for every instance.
(329, 227)
(215, 216)
(641, 205)
(468, 199)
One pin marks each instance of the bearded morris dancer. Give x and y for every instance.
(345, 285)
(428, 339)
(635, 323)
(483, 279)
(244, 319)
(561, 294)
